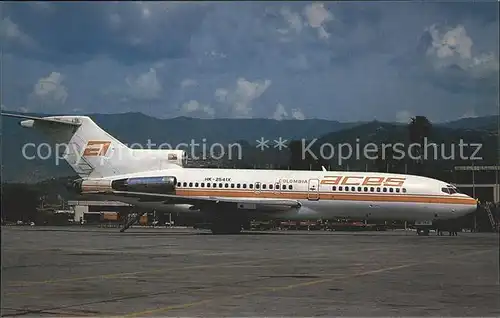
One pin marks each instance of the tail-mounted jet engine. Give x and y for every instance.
(165, 184)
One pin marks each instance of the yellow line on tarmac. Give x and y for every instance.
(275, 289)
(158, 270)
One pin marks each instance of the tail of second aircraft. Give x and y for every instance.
(92, 152)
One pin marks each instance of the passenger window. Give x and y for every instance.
(220, 185)
(353, 188)
(232, 185)
(257, 186)
(250, 186)
(378, 189)
(196, 184)
(263, 186)
(226, 185)
(208, 185)
(185, 184)
(178, 184)
(244, 185)
(391, 189)
(238, 186)
(372, 189)
(290, 187)
(340, 188)
(214, 185)
(283, 187)
(359, 189)
(384, 190)
(190, 184)
(404, 190)
(397, 190)
(334, 188)
(366, 189)
(270, 186)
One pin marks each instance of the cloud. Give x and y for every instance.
(297, 114)
(193, 107)
(240, 99)
(281, 113)
(188, 83)
(454, 47)
(317, 16)
(146, 86)
(403, 116)
(293, 19)
(469, 114)
(11, 33)
(343, 61)
(48, 93)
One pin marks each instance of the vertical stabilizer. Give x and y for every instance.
(93, 153)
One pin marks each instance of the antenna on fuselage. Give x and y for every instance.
(323, 168)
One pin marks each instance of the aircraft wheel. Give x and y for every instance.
(422, 232)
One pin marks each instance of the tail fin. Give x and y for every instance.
(92, 152)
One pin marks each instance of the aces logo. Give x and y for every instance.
(96, 148)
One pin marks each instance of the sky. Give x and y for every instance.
(344, 61)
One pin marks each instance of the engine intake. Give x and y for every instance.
(164, 184)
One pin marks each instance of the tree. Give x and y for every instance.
(419, 129)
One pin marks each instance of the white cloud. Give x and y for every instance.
(403, 116)
(146, 86)
(455, 47)
(50, 89)
(188, 83)
(9, 31)
(293, 19)
(454, 41)
(280, 113)
(317, 16)
(297, 114)
(469, 114)
(193, 106)
(239, 100)
(221, 94)
(115, 20)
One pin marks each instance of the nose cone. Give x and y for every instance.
(471, 206)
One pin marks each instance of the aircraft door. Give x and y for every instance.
(313, 190)
(256, 187)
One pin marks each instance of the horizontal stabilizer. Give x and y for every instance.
(53, 119)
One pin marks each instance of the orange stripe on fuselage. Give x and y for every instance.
(360, 197)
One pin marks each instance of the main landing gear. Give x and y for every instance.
(224, 224)
(423, 232)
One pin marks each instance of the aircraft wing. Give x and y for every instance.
(247, 203)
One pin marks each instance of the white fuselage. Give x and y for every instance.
(322, 194)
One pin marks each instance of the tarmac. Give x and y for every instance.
(73, 271)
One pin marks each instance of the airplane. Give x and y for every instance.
(229, 198)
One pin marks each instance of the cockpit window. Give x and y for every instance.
(450, 189)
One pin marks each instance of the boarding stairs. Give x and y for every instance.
(132, 220)
(493, 222)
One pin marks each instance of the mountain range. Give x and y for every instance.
(132, 128)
